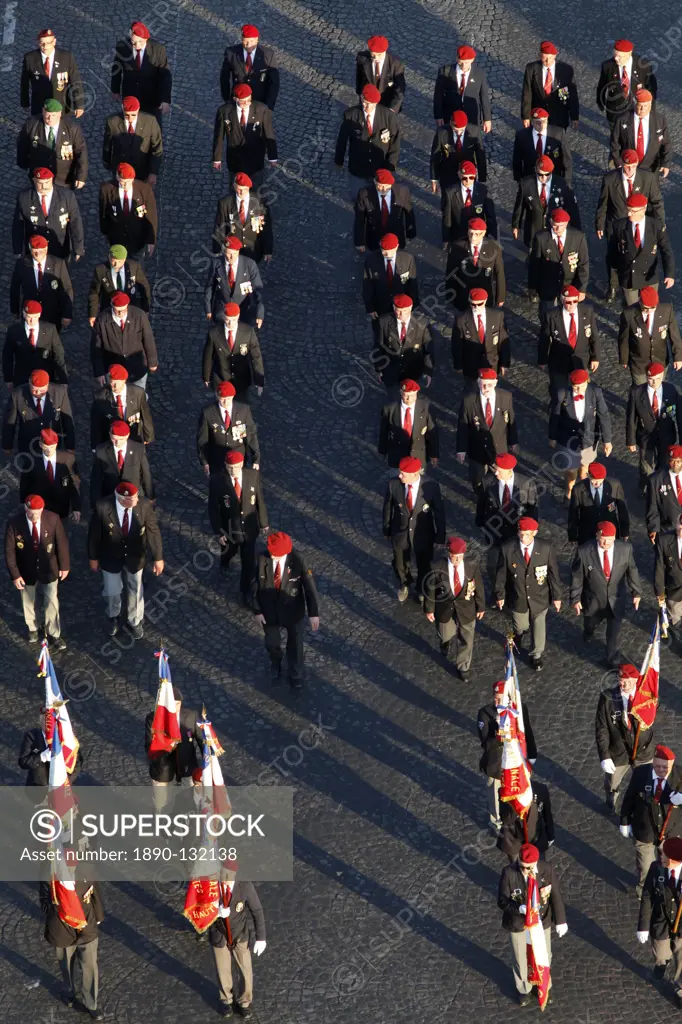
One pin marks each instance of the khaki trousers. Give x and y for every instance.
(520, 961)
(645, 855)
(666, 949)
(223, 964)
(80, 973)
(47, 592)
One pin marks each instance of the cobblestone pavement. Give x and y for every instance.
(392, 916)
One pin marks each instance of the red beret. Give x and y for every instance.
(139, 29)
(45, 32)
(231, 309)
(389, 241)
(606, 529)
(478, 295)
(629, 156)
(507, 461)
(243, 180)
(279, 544)
(477, 224)
(32, 307)
(242, 91)
(579, 377)
(409, 385)
(117, 372)
(37, 242)
(234, 458)
(126, 490)
(467, 167)
(125, 171)
(672, 848)
(384, 177)
(250, 32)
(665, 753)
(570, 292)
(377, 44)
(560, 216)
(409, 464)
(371, 94)
(628, 671)
(42, 174)
(40, 378)
(459, 119)
(527, 523)
(675, 451)
(623, 46)
(644, 96)
(226, 389)
(232, 242)
(49, 437)
(34, 502)
(538, 113)
(529, 854)
(131, 104)
(500, 686)
(119, 300)
(119, 428)
(487, 373)
(637, 201)
(597, 471)
(466, 53)
(402, 302)
(548, 47)
(544, 164)
(655, 368)
(456, 546)
(648, 296)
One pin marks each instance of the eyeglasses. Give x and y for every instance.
(468, 177)
(544, 174)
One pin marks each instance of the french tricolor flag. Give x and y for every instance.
(56, 712)
(165, 727)
(59, 794)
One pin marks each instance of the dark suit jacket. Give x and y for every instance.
(643, 428)
(409, 360)
(247, 291)
(256, 232)
(500, 524)
(369, 226)
(439, 597)
(637, 348)
(489, 735)
(475, 101)
(246, 921)
(668, 568)
(63, 228)
(456, 215)
(240, 520)
(513, 891)
(214, 442)
(133, 346)
(296, 595)
(553, 348)
(68, 161)
(528, 209)
(421, 528)
(662, 507)
(64, 83)
(246, 147)
(143, 149)
(64, 494)
(263, 77)
(538, 824)
(548, 272)
(19, 358)
(187, 756)
(557, 148)
(614, 738)
(561, 104)
(660, 903)
(55, 295)
(584, 513)
(590, 587)
(612, 202)
(527, 588)
(152, 84)
(102, 287)
(367, 154)
(468, 354)
(610, 97)
(474, 437)
(446, 156)
(639, 267)
(107, 544)
(60, 934)
(461, 275)
(32, 746)
(105, 476)
(646, 815)
(43, 565)
(21, 424)
(391, 82)
(658, 151)
(139, 227)
(376, 292)
(104, 410)
(394, 443)
(243, 365)
(567, 430)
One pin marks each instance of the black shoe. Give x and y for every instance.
(587, 637)
(67, 999)
(678, 999)
(245, 1012)
(524, 998)
(137, 631)
(96, 1014)
(445, 648)
(224, 567)
(275, 670)
(659, 971)
(243, 600)
(225, 1010)
(295, 682)
(57, 643)
(463, 675)
(33, 637)
(113, 626)
(536, 664)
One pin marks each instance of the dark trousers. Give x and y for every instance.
(273, 645)
(247, 555)
(557, 381)
(651, 458)
(613, 624)
(402, 564)
(477, 470)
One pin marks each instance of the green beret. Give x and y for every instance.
(118, 252)
(53, 106)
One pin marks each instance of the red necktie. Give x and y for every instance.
(139, 60)
(227, 419)
(467, 201)
(458, 583)
(548, 82)
(377, 72)
(489, 423)
(131, 128)
(32, 338)
(573, 332)
(475, 254)
(230, 340)
(230, 277)
(458, 143)
(538, 146)
(403, 331)
(242, 212)
(462, 84)
(237, 489)
(625, 82)
(39, 406)
(40, 276)
(119, 406)
(126, 522)
(560, 246)
(278, 576)
(678, 488)
(43, 203)
(659, 791)
(384, 212)
(640, 140)
(126, 204)
(50, 473)
(638, 237)
(407, 425)
(123, 322)
(607, 565)
(47, 66)
(481, 330)
(368, 122)
(506, 497)
(543, 196)
(249, 63)
(654, 405)
(629, 187)
(35, 537)
(526, 555)
(389, 273)
(409, 500)
(120, 459)
(243, 119)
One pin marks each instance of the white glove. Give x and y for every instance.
(259, 946)
(676, 799)
(224, 911)
(532, 760)
(607, 766)
(550, 843)
(642, 937)
(561, 930)
(522, 909)
(626, 831)
(46, 755)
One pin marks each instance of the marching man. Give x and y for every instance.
(660, 912)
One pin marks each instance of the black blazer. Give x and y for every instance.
(421, 528)
(376, 292)
(614, 738)
(498, 523)
(658, 151)
(529, 212)
(461, 275)
(246, 147)
(240, 520)
(187, 756)
(590, 587)
(566, 429)
(263, 76)
(132, 347)
(68, 161)
(143, 149)
(247, 291)
(63, 228)
(21, 424)
(256, 232)
(104, 410)
(439, 597)
(64, 494)
(448, 152)
(32, 746)
(646, 816)
(243, 365)
(643, 428)
(139, 227)
(584, 513)
(561, 104)
(369, 227)
(246, 920)
(114, 552)
(61, 935)
(612, 202)
(296, 595)
(366, 154)
(475, 101)
(136, 287)
(456, 215)
(557, 148)
(513, 892)
(667, 568)
(659, 904)
(539, 824)
(395, 444)
(662, 507)
(637, 348)
(105, 477)
(394, 360)
(474, 437)
(548, 272)
(55, 295)
(20, 359)
(214, 442)
(527, 587)
(639, 267)
(64, 84)
(553, 348)
(391, 82)
(43, 565)
(468, 354)
(491, 744)
(152, 84)
(610, 97)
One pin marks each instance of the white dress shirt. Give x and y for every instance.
(245, 202)
(626, 67)
(31, 525)
(122, 193)
(121, 511)
(123, 448)
(487, 398)
(465, 190)
(380, 61)
(462, 76)
(403, 412)
(117, 275)
(528, 548)
(119, 321)
(386, 198)
(679, 548)
(674, 478)
(246, 54)
(29, 329)
(625, 697)
(278, 562)
(47, 199)
(567, 320)
(237, 480)
(141, 52)
(546, 72)
(659, 395)
(51, 128)
(600, 552)
(244, 112)
(548, 185)
(579, 409)
(37, 265)
(226, 409)
(414, 488)
(480, 314)
(559, 239)
(649, 323)
(53, 463)
(656, 780)
(597, 492)
(122, 396)
(370, 118)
